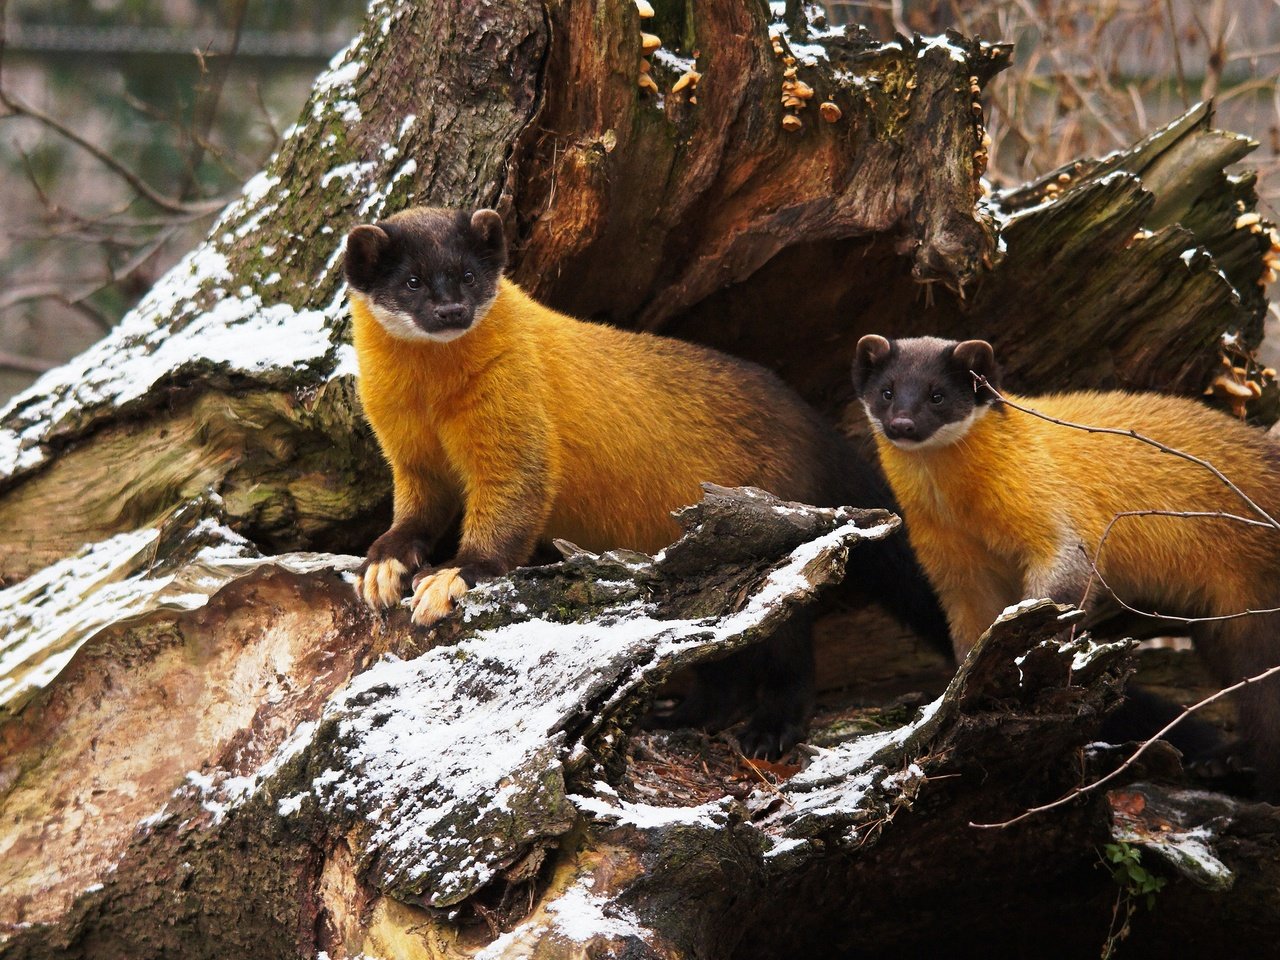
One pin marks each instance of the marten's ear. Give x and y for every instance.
(486, 225)
(979, 357)
(366, 246)
(872, 351)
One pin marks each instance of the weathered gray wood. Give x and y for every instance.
(426, 781)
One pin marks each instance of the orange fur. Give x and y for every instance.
(1000, 514)
(590, 433)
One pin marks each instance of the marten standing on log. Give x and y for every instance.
(539, 426)
(1002, 506)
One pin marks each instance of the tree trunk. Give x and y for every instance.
(210, 747)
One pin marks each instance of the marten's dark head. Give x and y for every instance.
(919, 392)
(427, 273)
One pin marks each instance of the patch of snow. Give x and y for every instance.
(956, 54)
(580, 916)
(348, 363)
(46, 618)
(157, 818)
(673, 60)
(340, 78)
(1015, 609)
(1188, 851)
(646, 816)
(785, 845)
(841, 780)
(1005, 219)
(1084, 650)
(187, 319)
(896, 781)
(353, 172)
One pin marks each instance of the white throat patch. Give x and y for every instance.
(944, 436)
(400, 325)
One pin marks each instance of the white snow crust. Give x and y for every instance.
(577, 916)
(474, 734)
(191, 318)
(46, 618)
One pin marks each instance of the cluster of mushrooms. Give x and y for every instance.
(796, 94)
(649, 42)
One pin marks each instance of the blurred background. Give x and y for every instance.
(125, 125)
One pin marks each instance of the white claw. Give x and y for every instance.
(382, 584)
(436, 595)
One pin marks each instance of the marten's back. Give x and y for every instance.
(1113, 474)
(642, 420)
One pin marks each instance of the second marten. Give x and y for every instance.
(1002, 506)
(537, 426)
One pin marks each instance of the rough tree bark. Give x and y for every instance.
(207, 746)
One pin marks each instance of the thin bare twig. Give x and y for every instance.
(145, 190)
(981, 382)
(1096, 561)
(1217, 51)
(1177, 55)
(1095, 564)
(1142, 748)
(206, 107)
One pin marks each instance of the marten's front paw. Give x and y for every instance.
(436, 594)
(399, 551)
(381, 583)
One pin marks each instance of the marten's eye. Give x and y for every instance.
(936, 398)
(468, 278)
(887, 394)
(413, 283)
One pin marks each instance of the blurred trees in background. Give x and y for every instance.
(186, 97)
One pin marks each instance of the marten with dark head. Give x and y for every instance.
(1002, 506)
(537, 426)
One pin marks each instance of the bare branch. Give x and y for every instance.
(1096, 560)
(20, 108)
(1177, 55)
(21, 364)
(1143, 747)
(981, 382)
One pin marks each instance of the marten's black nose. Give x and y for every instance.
(900, 428)
(452, 315)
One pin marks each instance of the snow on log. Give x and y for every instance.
(46, 618)
(439, 771)
(390, 784)
(235, 371)
(450, 765)
(209, 751)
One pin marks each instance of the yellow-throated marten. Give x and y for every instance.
(1002, 506)
(537, 426)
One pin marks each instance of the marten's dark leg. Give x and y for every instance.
(422, 512)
